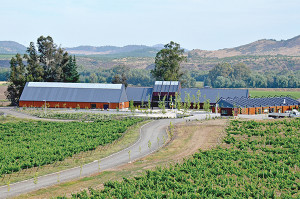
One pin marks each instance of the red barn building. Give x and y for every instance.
(74, 95)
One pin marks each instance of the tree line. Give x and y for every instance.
(167, 68)
(46, 63)
(224, 75)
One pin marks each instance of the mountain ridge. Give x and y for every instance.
(11, 47)
(289, 47)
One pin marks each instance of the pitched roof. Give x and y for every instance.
(212, 94)
(73, 92)
(139, 94)
(257, 102)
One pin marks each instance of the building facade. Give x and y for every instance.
(252, 106)
(74, 95)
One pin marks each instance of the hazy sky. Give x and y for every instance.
(202, 24)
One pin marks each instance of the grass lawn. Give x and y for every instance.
(199, 84)
(257, 93)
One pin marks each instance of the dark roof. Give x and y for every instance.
(73, 92)
(213, 94)
(166, 86)
(139, 94)
(257, 102)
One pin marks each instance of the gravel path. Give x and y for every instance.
(12, 112)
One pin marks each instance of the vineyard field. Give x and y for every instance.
(84, 116)
(36, 143)
(256, 160)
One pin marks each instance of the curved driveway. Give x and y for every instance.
(155, 132)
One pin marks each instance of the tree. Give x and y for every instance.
(34, 71)
(222, 82)
(222, 69)
(17, 80)
(52, 59)
(120, 76)
(187, 80)
(167, 63)
(48, 63)
(241, 72)
(70, 73)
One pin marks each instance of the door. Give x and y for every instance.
(105, 106)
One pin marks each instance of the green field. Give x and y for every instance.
(6, 56)
(36, 143)
(256, 160)
(199, 84)
(257, 93)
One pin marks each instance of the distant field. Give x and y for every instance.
(295, 93)
(6, 56)
(199, 84)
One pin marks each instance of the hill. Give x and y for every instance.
(125, 51)
(289, 47)
(261, 55)
(11, 47)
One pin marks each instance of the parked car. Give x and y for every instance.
(293, 113)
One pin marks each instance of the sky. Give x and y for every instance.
(194, 24)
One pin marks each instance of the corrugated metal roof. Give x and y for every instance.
(213, 94)
(257, 102)
(70, 94)
(139, 94)
(73, 85)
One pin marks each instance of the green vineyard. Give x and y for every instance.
(31, 144)
(256, 160)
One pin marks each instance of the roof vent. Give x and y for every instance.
(284, 101)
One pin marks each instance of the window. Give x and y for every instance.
(224, 112)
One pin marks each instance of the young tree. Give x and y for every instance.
(17, 80)
(194, 102)
(188, 100)
(167, 63)
(206, 105)
(171, 102)
(162, 105)
(198, 99)
(131, 106)
(178, 103)
(149, 102)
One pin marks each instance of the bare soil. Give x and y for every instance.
(3, 101)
